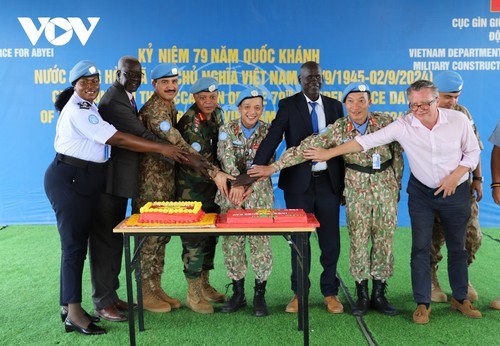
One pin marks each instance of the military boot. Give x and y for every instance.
(378, 301)
(195, 300)
(472, 295)
(210, 293)
(155, 283)
(238, 299)
(151, 302)
(259, 299)
(437, 295)
(363, 303)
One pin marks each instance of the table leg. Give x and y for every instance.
(305, 286)
(138, 280)
(130, 292)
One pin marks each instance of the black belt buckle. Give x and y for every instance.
(316, 174)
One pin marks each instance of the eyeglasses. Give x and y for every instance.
(133, 75)
(423, 106)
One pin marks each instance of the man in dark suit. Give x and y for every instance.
(117, 107)
(315, 187)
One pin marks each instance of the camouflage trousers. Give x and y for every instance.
(376, 223)
(153, 256)
(235, 258)
(473, 236)
(198, 254)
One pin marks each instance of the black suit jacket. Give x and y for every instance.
(294, 121)
(123, 168)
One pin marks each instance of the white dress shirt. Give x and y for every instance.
(432, 154)
(320, 112)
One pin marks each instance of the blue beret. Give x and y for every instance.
(355, 87)
(449, 82)
(164, 70)
(84, 68)
(249, 93)
(204, 84)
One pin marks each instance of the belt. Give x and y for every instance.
(316, 174)
(369, 170)
(73, 161)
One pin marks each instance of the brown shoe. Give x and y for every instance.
(466, 308)
(123, 306)
(421, 315)
(333, 305)
(293, 306)
(495, 304)
(111, 313)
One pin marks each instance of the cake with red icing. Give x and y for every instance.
(171, 212)
(265, 216)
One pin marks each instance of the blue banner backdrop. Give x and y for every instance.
(388, 44)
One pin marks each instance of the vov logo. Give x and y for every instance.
(67, 26)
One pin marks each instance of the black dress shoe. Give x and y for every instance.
(92, 329)
(64, 314)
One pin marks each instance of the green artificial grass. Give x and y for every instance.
(29, 311)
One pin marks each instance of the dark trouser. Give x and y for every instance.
(198, 254)
(73, 193)
(105, 249)
(454, 213)
(320, 199)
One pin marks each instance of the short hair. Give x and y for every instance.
(422, 84)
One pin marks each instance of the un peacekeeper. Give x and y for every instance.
(238, 143)
(372, 185)
(157, 180)
(199, 127)
(449, 84)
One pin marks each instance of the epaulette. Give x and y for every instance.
(85, 105)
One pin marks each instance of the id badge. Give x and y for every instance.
(376, 161)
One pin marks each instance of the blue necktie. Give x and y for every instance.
(314, 117)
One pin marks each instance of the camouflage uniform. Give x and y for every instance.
(235, 153)
(198, 251)
(473, 234)
(371, 198)
(157, 177)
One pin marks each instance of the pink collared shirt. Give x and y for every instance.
(432, 154)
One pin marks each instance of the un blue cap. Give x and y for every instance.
(449, 82)
(204, 84)
(355, 87)
(84, 68)
(164, 71)
(249, 93)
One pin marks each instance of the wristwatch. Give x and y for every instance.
(481, 179)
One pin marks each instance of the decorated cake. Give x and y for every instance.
(171, 212)
(265, 216)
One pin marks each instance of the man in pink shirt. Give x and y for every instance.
(441, 149)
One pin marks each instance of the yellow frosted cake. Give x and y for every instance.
(171, 212)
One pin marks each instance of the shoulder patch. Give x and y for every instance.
(93, 119)
(196, 146)
(222, 136)
(84, 105)
(165, 126)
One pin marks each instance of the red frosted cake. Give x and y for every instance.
(265, 216)
(171, 212)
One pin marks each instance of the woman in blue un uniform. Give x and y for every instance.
(75, 177)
